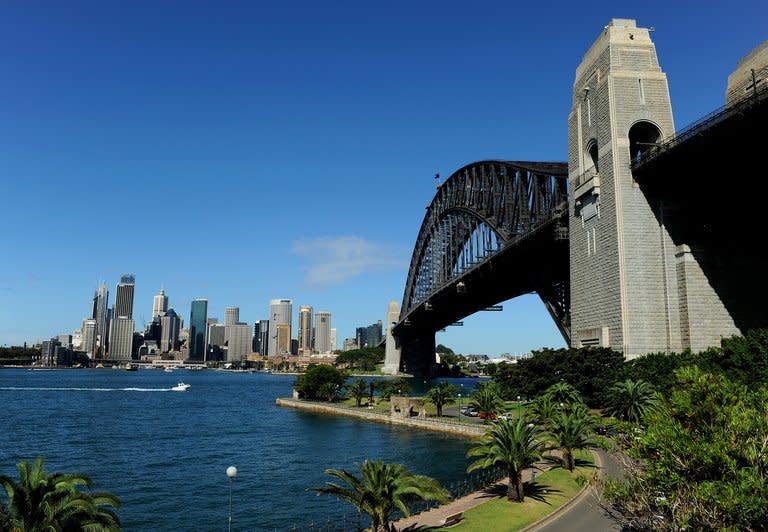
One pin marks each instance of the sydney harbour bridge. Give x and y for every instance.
(646, 239)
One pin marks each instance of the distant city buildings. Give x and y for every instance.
(198, 321)
(280, 314)
(305, 342)
(239, 344)
(170, 325)
(159, 305)
(323, 332)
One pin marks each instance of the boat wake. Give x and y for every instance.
(52, 389)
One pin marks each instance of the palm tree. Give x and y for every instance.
(544, 409)
(358, 390)
(53, 501)
(514, 445)
(329, 390)
(442, 394)
(381, 489)
(631, 400)
(562, 392)
(486, 399)
(571, 431)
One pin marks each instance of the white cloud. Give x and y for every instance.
(334, 260)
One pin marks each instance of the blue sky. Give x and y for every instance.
(244, 151)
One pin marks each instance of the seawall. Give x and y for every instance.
(447, 427)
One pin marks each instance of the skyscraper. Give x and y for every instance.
(280, 313)
(305, 329)
(121, 338)
(263, 337)
(231, 315)
(323, 332)
(88, 331)
(124, 297)
(169, 331)
(159, 304)
(198, 318)
(239, 345)
(101, 315)
(282, 339)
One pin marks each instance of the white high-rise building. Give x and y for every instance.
(323, 332)
(88, 332)
(239, 346)
(159, 305)
(121, 338)
(280, 313)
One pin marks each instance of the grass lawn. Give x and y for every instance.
(548, 492)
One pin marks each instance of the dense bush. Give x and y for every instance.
(310, 385)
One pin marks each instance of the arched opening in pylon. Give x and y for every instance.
(643, 136)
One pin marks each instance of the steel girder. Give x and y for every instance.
(480, 211)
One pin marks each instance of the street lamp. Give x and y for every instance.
(231, 473)
(459, 406)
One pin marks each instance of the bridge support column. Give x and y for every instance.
(417, 354)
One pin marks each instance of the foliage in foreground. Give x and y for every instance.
(702, 462)
(42, 501)
(381, 489)
(513, 445)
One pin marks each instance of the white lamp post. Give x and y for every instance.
(231, 473)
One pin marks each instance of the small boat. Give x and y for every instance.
(168, 370)
(181, 387)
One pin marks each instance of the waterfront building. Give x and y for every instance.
(169, 331)
(124, 297)
(231, 317)
(121, 338)
(65, 340)
(323, 332)
(239, 345)
(263, 337)
(280, 313)
(305, 330)
(77, 339)
(256, 340)
(159, 304)
(216, 335)
(88, 342)
(198, 318)
(101, 315)
(349, 344)
(282, 338)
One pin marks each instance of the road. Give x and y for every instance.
(587, 515)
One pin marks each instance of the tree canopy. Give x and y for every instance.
(310, 384)
(364, 359)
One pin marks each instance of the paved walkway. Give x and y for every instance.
(435, 516)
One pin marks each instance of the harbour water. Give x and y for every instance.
(165, 453)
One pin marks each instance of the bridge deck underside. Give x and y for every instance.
(710, 192)
(534, 264)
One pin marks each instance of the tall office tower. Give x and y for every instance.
(101, 315)
(121, 338)
(239, 346)
(256, 340)
(263, 337)
(65, 340)
(360, 336)
(333, 339)
(305, 329)
(216, 334)
(198, 318)
(159, 304)
(373, 334)
(282, 339)
(88, 343)
(124, 297)
(169, 331)
(323, 332)
(231, 315)
(280, 313)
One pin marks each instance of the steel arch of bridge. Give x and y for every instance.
(481, 211)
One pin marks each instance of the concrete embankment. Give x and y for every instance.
(455, 428)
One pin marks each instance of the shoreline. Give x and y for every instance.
(431, 424)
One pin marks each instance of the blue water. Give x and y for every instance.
(165, 453)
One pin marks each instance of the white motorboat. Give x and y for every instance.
(168, 370)
(181, 387)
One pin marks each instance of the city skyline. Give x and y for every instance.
(295, 145)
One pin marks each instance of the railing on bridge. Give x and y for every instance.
(715, 117)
